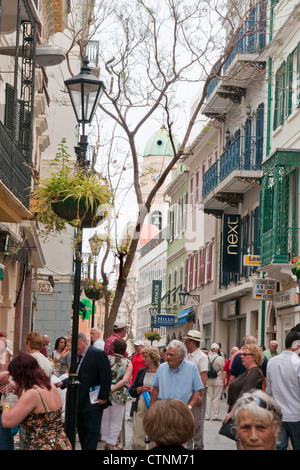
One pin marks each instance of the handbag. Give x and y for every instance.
(147, 397)
(228, 430)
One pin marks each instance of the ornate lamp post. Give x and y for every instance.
(85, 91)
(95, 246)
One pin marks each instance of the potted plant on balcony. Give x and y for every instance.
(69, 195)
(151, 336)
(296, 266)
(92, 289)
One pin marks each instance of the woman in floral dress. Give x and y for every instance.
(38, 408)
(112, 418)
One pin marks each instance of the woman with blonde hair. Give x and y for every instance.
(141, 390)
(34, 343)
(252, 378)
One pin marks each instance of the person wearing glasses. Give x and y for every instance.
(252, 378)
(258, 419)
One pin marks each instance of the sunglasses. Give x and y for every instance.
(246, 354)
(262, 404)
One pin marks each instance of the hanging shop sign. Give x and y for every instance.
(287, 298)
(251, 260)
(165, 320)
(230, 309)
(156, 294)
(231, 243)
(265, 289)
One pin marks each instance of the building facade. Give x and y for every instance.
(279, 213)
(25, 28)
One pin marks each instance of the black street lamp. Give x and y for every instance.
(85, 91)
(184, 296)
(95, 250)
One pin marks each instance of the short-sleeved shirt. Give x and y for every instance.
(200, 359)
(109, 345)
(180, 383)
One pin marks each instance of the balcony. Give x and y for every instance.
(229, 178)
(242, 66)
(15, 180)
(28, 12)
(279, 224)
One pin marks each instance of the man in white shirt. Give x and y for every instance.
(96, 339)
(199, 358)
(283, 383)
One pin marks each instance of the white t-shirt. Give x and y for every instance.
(99, 344)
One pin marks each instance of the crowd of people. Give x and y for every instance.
(173, 390)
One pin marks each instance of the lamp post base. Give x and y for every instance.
(71, 409)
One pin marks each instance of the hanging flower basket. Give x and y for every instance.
(92, 289)
(93, 293)
(296, 266)
(71, 209)
(70, 196)
(152, 336)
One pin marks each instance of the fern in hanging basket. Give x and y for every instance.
(92, 289)
(69, 195)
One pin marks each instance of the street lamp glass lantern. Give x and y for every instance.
(152, 310)
(184, 295)
(95, 244)
(85, 91)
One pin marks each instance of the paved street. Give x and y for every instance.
(212, 440)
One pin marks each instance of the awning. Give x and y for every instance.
(183, 316)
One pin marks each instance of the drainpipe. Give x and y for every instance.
(263, 306)
(269, 85)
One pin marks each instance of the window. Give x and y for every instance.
(209, 263)
(192, 191)
(283, 92)
(298, 75)
(197, 187)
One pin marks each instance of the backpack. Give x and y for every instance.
(211, 372)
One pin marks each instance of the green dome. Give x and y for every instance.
(160, 144)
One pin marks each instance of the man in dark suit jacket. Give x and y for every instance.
(93, 370)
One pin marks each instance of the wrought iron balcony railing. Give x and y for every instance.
(15, 171)
(251, 39)
(279, 219)
(279, 245)
(244, 153)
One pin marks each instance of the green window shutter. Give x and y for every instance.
(298, 74)
(276, 103)
(289, 85)
(282, 86)
(9, 107)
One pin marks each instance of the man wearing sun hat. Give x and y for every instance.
(195, 355)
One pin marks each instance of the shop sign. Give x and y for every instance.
(165, 320)
(265, 289)
(156, 294)
(251, 260)
(288, 298)
(230, 309)
(231, 243)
